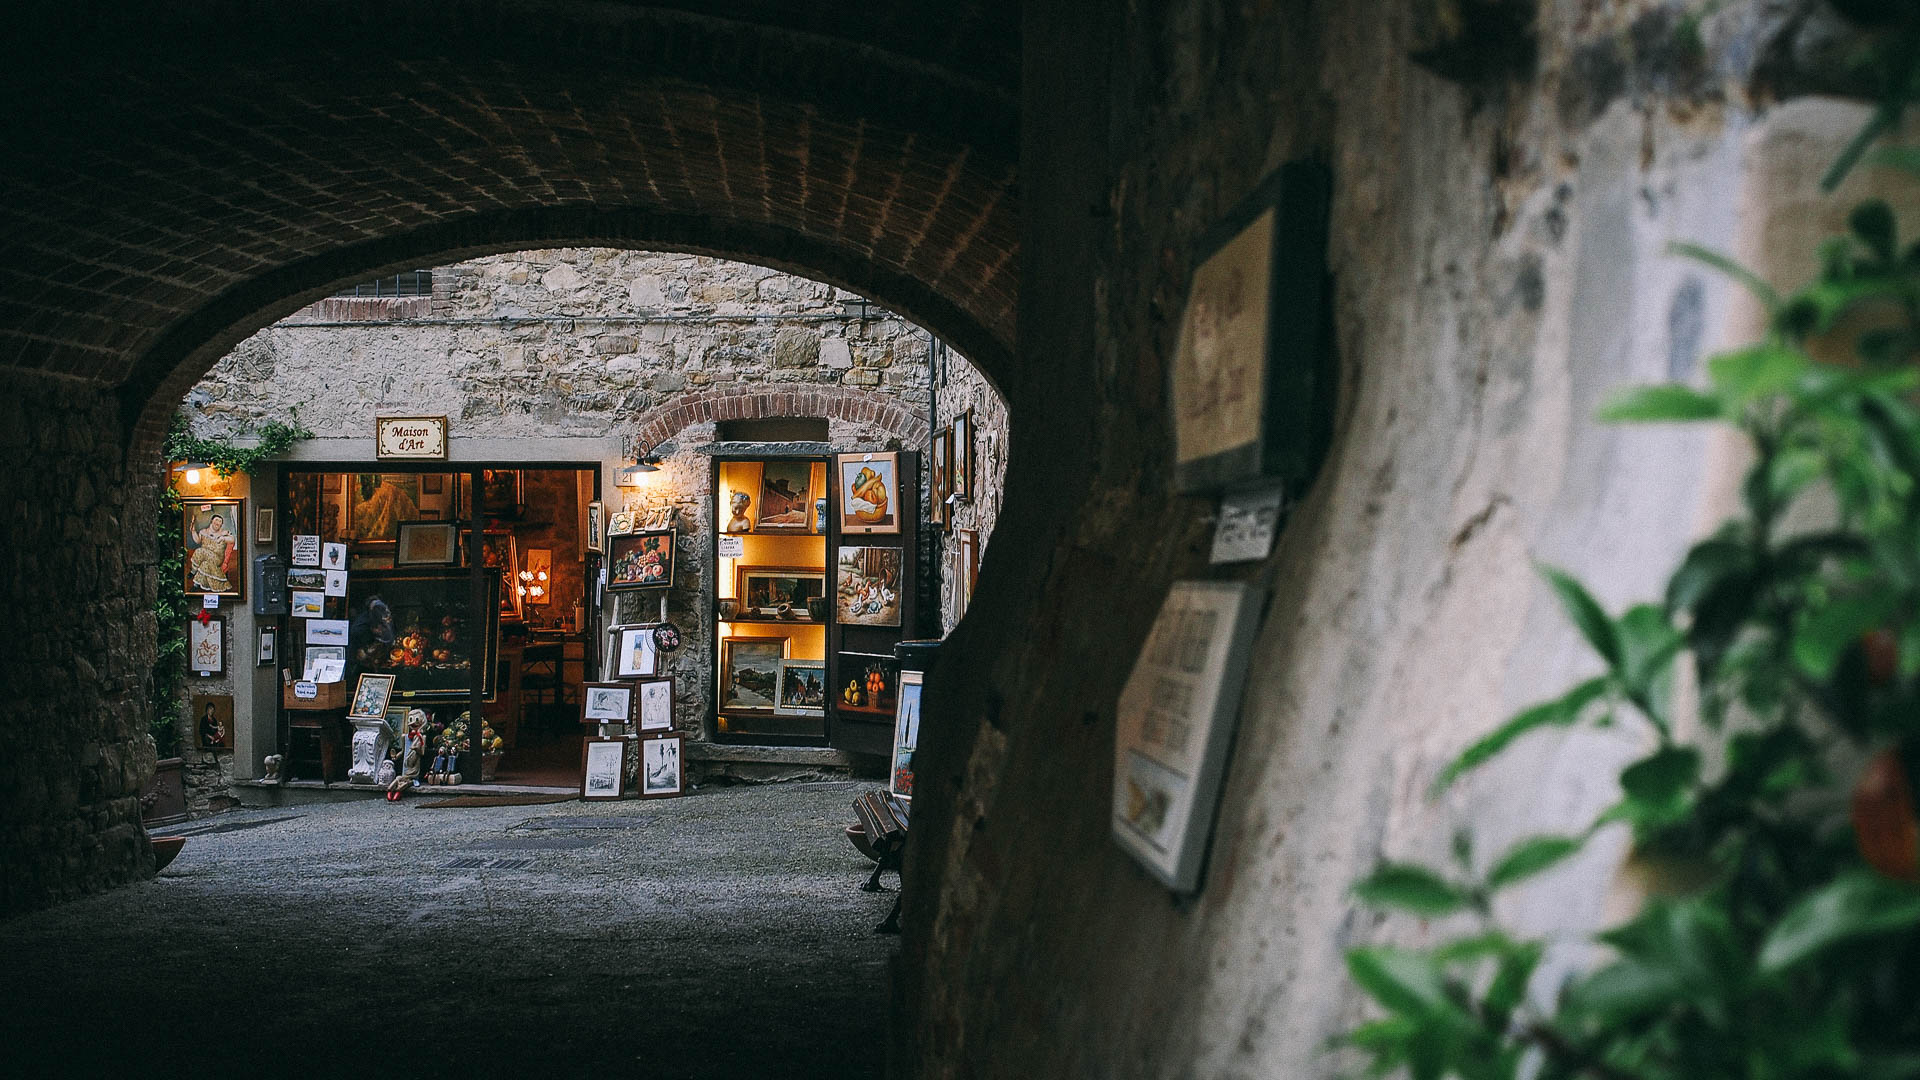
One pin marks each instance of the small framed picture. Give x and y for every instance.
(802, 688)
(631, 652)
(906, 735)
(594, 540)
(207, 646)
(867, 586)
(333, 556)
(370, 697)
(786, 497)
(869, 683)
(306, 550)
(779, 592)
(963, 455)
(264, 657)
(603, 771)
(311, 579)
(942, 479)
(662, 765)
(621, 523)
(308, 603)
(606, 703)
(427, 543)
(263, 525)
(332, 483)
(655, 704)
(750, 672)
(212, 716)
(640, 560)
(869, 490)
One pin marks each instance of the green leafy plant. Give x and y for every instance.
(1785, 942)
(170, 606)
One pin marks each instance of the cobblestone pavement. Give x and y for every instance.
(718, 935)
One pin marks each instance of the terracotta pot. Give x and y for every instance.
(858, 837)
(164, 849)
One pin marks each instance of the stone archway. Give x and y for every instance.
(666, 420)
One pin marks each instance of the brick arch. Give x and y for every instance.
(664, 421)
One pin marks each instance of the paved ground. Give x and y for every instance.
(718, 935)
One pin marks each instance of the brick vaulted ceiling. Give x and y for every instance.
(176, 175)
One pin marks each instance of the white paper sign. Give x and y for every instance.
(733, 547)
(326, 631)
(210, 601)
(1248, 523)
(1176, 718)
(306, 550)
(305, 691)
(333, 556)
(307, 604)
(336, 583)
(326, 670)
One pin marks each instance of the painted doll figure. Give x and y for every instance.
(212, 556)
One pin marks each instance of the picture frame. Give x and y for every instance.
(263, 525)
(1250, 384)
(428, 634)
(621, 522)
(603, 771)
(370, 697)
(311, 578)
(210, 542)
(500, 551)
(867, 684)
(941, 476)
(868, 492)
(594, 537)
(631, 652)
(307, 603)
(653, 704)
(750, 672)
(212, 719)
(967, 562)
(663, 758)
(963, 455)
(606, 703)
(763, 590)
(267, 650)
(332, 483)
(641, 560)
(377, 502)
(906, 734)
(785, 504)
(802, 688)
(207, 646)
(866, 590)
(433, 483)
(427, 543)
(502, 492)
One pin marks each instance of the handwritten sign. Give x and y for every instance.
(410, 437)
(305, 690)
(1248, 522)
(733, 547)
(306, 550)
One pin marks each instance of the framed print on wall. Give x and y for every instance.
(802, 689)
(212, 716)
(867, 586)
(786, 497)
(631, 651)
(750, 671)
(869, 489)
(663, 765)
(263, 525)
(606, 703)
(210, 542)
(653, 704)
(1249, 383)
(603, 771)
(427, 543)
(779, 592)
(906, 735)
(868, 683)
(963, 455)
(937, 510)
(640, 560)
(207, 646)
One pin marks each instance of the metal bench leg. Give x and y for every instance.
(892, 923)
(888, 859)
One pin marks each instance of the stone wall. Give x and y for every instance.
(74, 748)
(960, 389)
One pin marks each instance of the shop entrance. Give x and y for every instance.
(465, 589)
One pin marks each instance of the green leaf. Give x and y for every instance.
(1560, 712)
(1826, 633)
(1710, 563)
(1669, 402)
(1411, 888)
(1857, 904)
(1648, 644)
(1586, 614)
(1756, 371)
(1658, 783)
(1530, 857)
(1754, 283)
(1872, 221)
(1509, 984)
(1400, 980)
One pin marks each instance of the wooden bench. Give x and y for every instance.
(884, 819)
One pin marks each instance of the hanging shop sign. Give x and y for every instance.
(410, 438)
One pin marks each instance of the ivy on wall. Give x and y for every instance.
(170, 605)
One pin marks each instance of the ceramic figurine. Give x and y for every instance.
(740, 522)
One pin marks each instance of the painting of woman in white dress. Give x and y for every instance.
(209, 534)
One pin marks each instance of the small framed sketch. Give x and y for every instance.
(593, 534)
(212, 716)
(427, 543)
(263, 525)
(640, 560)
(631, 651)
(654, 709)
(207, 646)
(603, 771)
(606, 703)
(370, 697)
(906, 735)
(267, 651)
(802, 688)
(869, 490)
(750, 672)
(662, 765)
(963, 455)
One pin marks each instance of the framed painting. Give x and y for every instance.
(427, 543)
(786, 497)
(502, 492)
(750, 672)
(802, 688)
(606, 703)
(963, 455)
(663, 765)
(378, 502)
(1249, 384)
(942, 476)
(869, 684)
(653, 704)
(207, 646)
(419, 625)
(593, 533)
(210, 542)
(370, 696)
(500, 552)
(869, 489)
(640, 560)
(212, 716)
(263, 525)
(906, 734)
(780, 592)
(867, 586)
(631, 651)
(603, 771)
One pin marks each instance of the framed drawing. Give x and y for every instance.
(603, 771)
(802, 689)
(370, 697)
(780, 592)
(207, 646)
(786, 497)
(263, 525)
(963, 455)
(869, 488)
(906, 735)
(266, 651)
(212, 721)
(1249, 382)
(427, 543)
(653, 704)
(867, 586)
(210, 542)
(942, 477)
(662, 765)
(868, 684)
(640, 560)
(631, 651)
(593, 533)
(606, 703)
(750, 672)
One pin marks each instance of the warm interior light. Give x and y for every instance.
(542, 575)
(193, 476)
